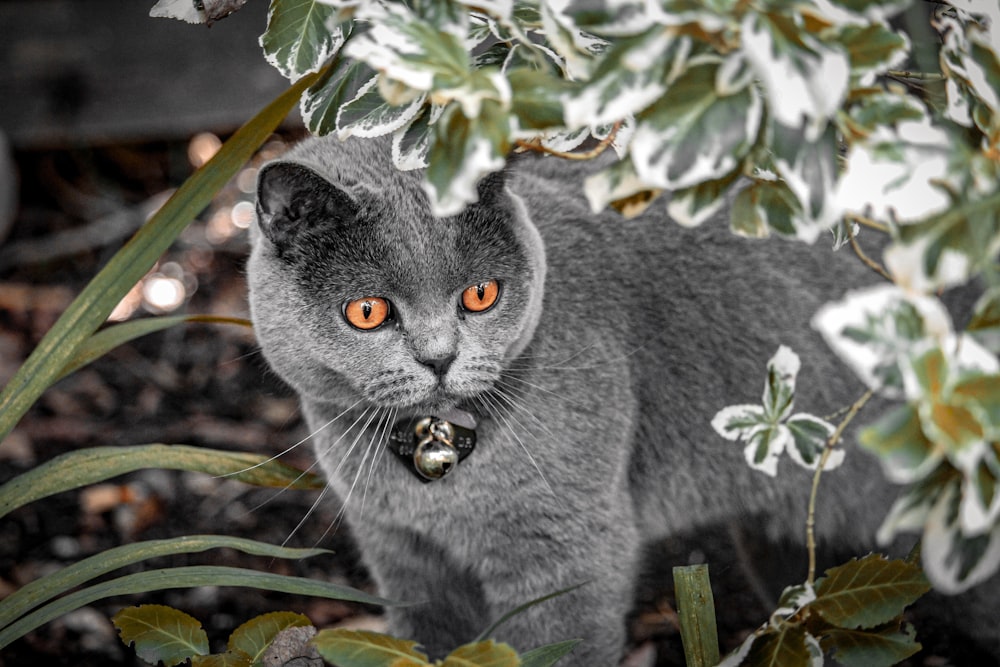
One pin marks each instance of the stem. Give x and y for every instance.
(830, 444)
(923, 76)
(868, 261)
(586, 155)
(696, 610)
(867, 222)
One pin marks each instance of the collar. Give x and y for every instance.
(430, 446)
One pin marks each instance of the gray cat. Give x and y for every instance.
(586, 354)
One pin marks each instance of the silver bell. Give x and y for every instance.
(434, 459)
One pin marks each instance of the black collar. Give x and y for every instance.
(430, 446)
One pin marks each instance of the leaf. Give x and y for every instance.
(692, 206)
(737, 422)
(463, 151)
(161, 634)
(87, 466)
(885, 646)
(339, 83)
(368, 115)
(985, 323)
(183, 10)
(809, 438)
(227, 659)
(784, 646)
(255, 636)
(184, 577)
(92, 307)
(547, 656)
(51, 585)
(779, 390)
(765, 445)
(763, 207)
(535, 98)
(482, 654)
(693, 133)
(630, 76)
(869, 592)
(805, 81)
(953, 561)
(809, 169)
(897, 438)
(297, 40)
(361, 648)
(108, 339)
(872, 48)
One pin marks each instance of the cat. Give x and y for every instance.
(587, 353)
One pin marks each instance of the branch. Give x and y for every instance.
(830, 444)
(534, 145)
(868, 261)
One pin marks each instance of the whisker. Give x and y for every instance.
(379, 438)
(499, 411)
(505, 381)
(513, 405)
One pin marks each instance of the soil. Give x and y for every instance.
(207, 385)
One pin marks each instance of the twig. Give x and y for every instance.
(586, 155)
(867, 222)
(922, 76)
(830, 444)
(868, 261)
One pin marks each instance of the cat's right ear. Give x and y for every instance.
(292, 198)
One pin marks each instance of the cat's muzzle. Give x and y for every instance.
(431, 447)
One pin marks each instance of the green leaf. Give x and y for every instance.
(92, 307)
(630, 76)
(108, 339)
(883, 108)
(779, 390)
(692, 206)
(41, 590)
(809, 169)
(953, 560)
(763, 207)
(297, 40)
(872, 48)
(985, 323)
(482, 654)
(869, 592)
(184, 577)
(535, 98)
(253, 637)
(87, 466)
(361, 648)
(784, 646)
(809, 438)
(338, 84)
(880, 647)
(693, 133)
(161, 634)
(227, 659)
(462, 152)
(898, 439)
(547, 656)
(765, 445)
(368, 115)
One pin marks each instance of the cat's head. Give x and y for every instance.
(359, 293)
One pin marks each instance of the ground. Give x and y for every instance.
(207, 385)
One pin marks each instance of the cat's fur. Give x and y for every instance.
(594, 380)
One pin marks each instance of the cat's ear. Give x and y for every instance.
(491, 188)
(292, 198)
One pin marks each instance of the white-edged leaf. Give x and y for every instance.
(182, 10)
(805, 81)
(893, 173)
(298, 39)
(692, 206)
(737, 422)
(872, 329)
(321, 103)
(368, 115)
(779, 389)
(692, 133)
(952, 561)
(765, 446)
(809, 437)
(616, 183)
(809, 169)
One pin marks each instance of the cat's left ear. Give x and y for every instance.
(491, 187)
(292, 198)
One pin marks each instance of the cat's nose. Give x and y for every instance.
(439, 365)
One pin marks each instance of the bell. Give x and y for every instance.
(434, 459)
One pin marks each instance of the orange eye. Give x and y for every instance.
(481, 297)
(367, 313)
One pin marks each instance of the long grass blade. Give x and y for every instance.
(108, 339)
(185, 577)
(96, 464)
(45, 588)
